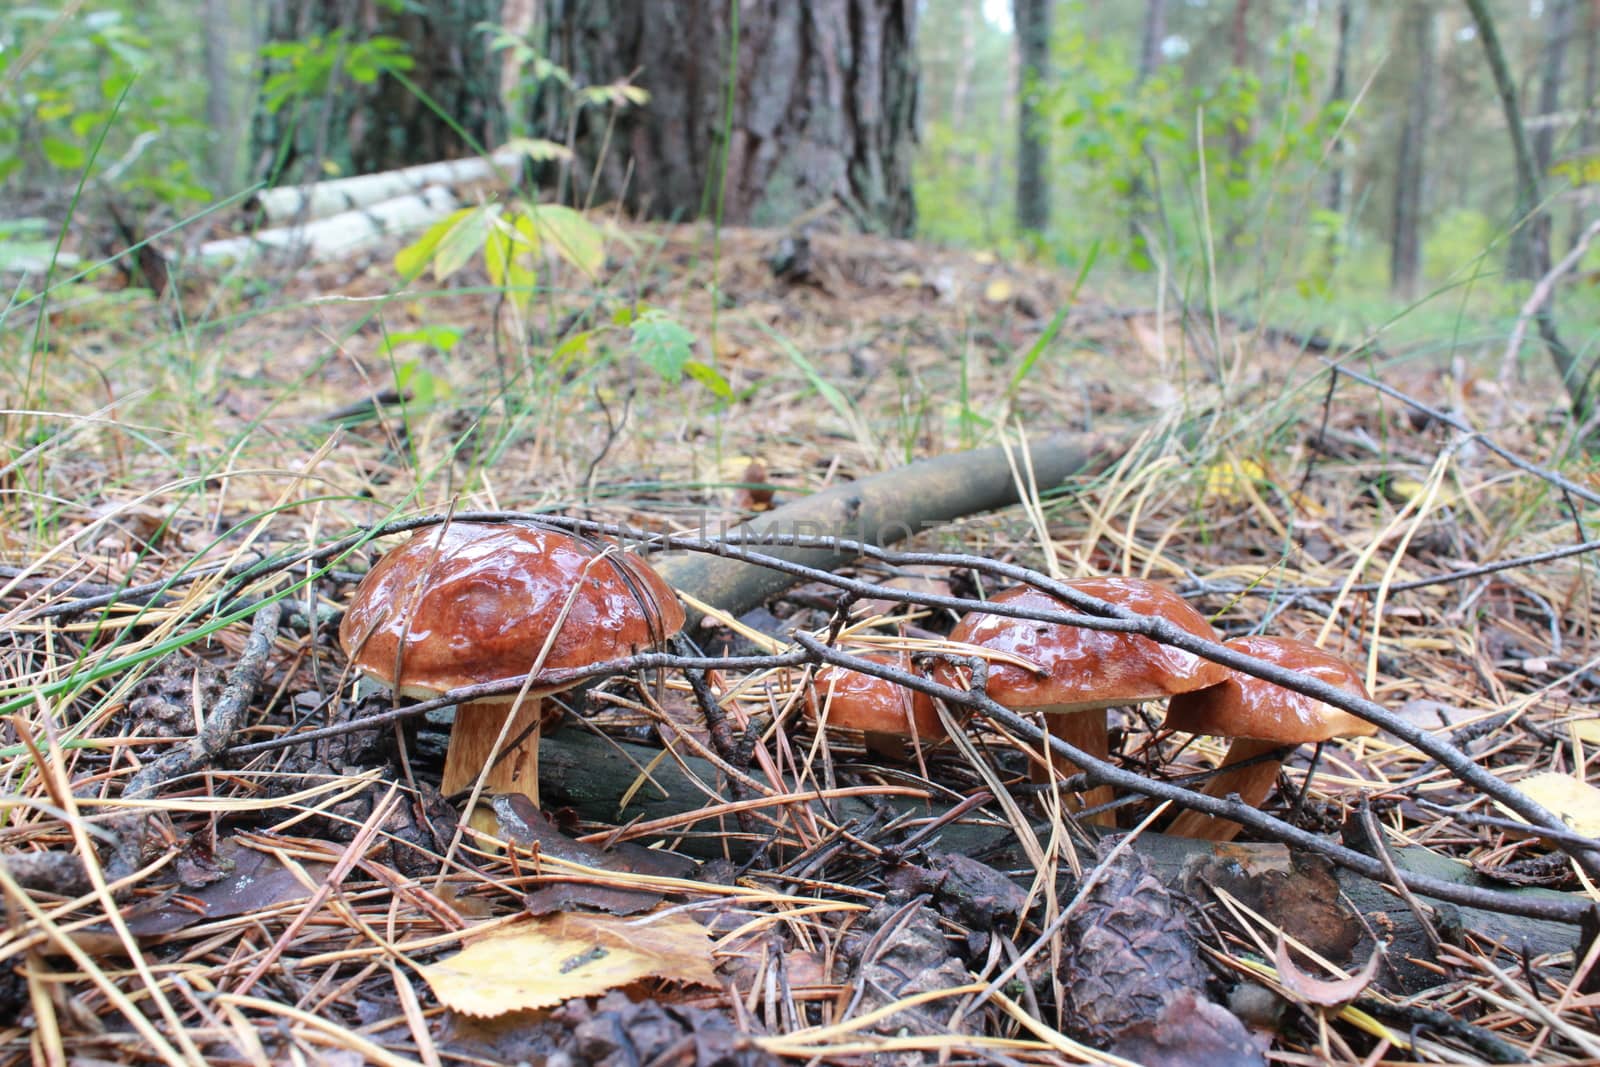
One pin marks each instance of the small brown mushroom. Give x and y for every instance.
(1082, 672)
(1261, 717)
(889, 716)
(468, 603)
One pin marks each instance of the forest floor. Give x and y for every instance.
(310, 902)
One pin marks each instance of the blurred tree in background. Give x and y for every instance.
(1314, 148)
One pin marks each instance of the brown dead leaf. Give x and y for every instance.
(543, 962)
(1193, 1032)
(1323, 993)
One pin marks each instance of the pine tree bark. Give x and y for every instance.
(1405, 250)
(822, 105)
(352, 128)
(1032, 19)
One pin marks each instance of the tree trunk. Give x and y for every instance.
(1338, 152)
(217, 46)
(1530, 256)
(345, 127)
(1584, 197)
(1240, 133)
(1141, 205)
(1551, 72)
(1155, 31)
(1405, 250)
(823, 105)
(1033, 139)
(1340, 90)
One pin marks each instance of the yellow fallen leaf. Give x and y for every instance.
(1586, 730)
(1226, 478)
(1406, 489)
(998, 291)
(1578, 803)
(543, 962)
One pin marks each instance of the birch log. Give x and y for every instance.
(322, 200)
(341, 234)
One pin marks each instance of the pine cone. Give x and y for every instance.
(162, 703)
(615, 1031)
(1130, 952)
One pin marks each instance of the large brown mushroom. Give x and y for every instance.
(888, 715)
(466, 603)
(1082, 672)
(1262, 717)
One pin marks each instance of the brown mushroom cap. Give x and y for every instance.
(467, 603)
(855, 701)
(1245, 706)
(1087, 669)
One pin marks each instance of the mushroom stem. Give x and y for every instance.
(1252, 783)
(1086, 731)
(472, 738)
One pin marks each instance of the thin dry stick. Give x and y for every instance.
(225, 717)
(1550, 476)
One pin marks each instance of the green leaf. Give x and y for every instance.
(711, 378)
(538, 149)
(510, 255)
(576, 239)
(446, 245)
(442, 338)
(462, 241)
(662, 344)
(63, 154)
(413, 259)
(573, 347)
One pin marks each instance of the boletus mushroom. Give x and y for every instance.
(890, 717)
(1261, 717)
(468, 603)
(1082, 672)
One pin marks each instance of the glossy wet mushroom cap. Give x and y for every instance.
(1084, 671)
(1261, 717)
(469, 603)
(886, 713)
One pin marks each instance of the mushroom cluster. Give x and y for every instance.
(466, 604)
(891, 718)
(1081, 672)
